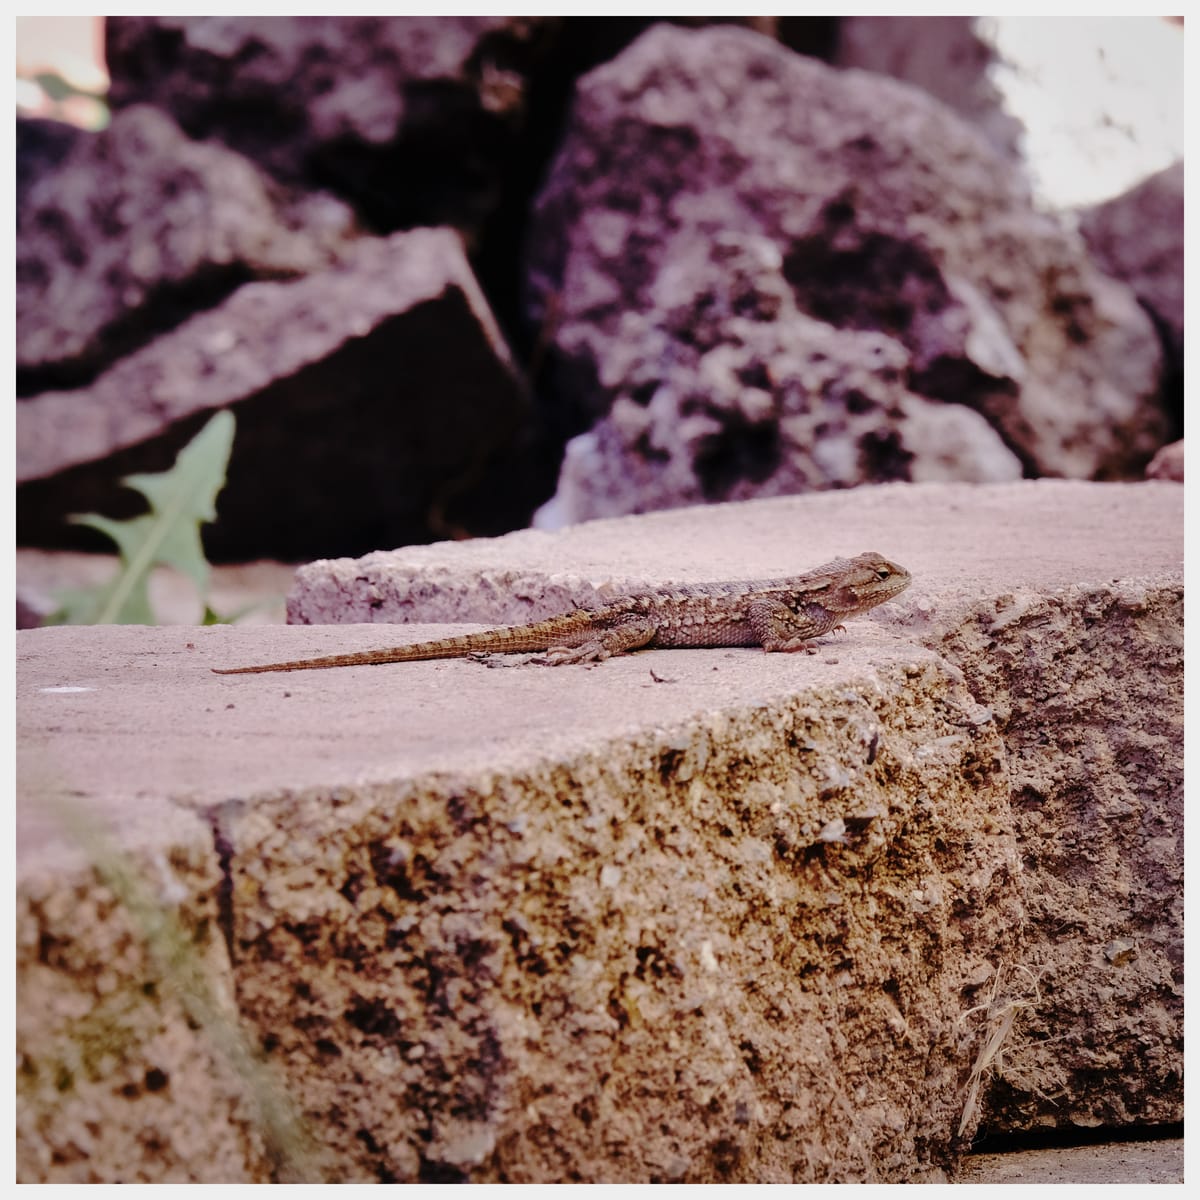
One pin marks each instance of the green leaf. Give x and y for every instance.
(181, 500)
(57, 88)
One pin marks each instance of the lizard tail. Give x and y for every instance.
(515, 639)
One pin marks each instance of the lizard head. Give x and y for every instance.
(869, 579)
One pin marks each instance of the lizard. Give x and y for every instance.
(776, 614)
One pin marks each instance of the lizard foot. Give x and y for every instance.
(795, 645)
(589, 652)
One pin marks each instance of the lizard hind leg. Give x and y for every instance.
(630, 634)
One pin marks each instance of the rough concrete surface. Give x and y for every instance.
(693, 915)
(1158, 1162)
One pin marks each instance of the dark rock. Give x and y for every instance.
(410, 118)
(41, 146)
(138, 227)
(376, 402)
(889, 215)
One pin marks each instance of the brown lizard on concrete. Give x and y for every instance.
(776, 614)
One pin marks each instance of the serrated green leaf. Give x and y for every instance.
(181, 500)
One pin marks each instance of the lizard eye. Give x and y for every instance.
(882, 573)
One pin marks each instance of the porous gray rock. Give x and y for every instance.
(137, 228)
(410, 118)
(890, 216)
(376, 401)
(1138, 238)
(725, 390)
(944, 56)
(1167, 463)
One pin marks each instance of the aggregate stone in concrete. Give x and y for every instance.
(689, 915)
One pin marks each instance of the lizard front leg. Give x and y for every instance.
(630, 634)
(778, 628)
